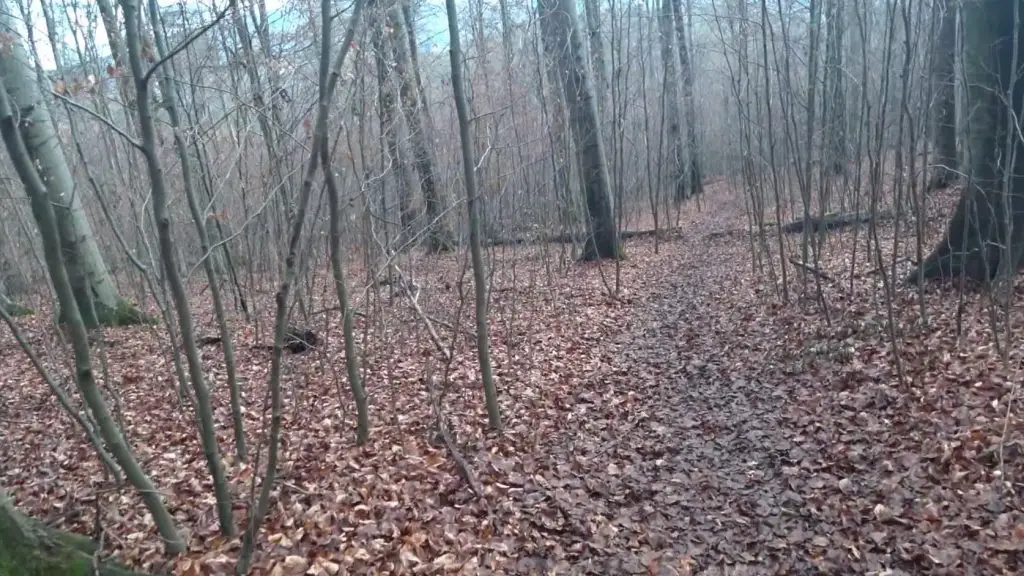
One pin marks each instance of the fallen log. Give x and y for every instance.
(568, 238)
(829, 223)
(803, 265)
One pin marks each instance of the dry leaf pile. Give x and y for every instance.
(694, 425)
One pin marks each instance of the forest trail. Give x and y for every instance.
(766, 442)
(692, 424)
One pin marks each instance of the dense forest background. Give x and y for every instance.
(651, 286)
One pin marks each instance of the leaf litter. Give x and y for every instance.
(691, 425)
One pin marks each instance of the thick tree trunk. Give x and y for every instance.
(29, 548)
(943, 112)
(414, 59)
(686, 74)
(439, 233)
(42, 209)
(677, 150)
(549, 90)
(985, 239)
(592, 8)
(835, 89)
(389, 127)
(97, 296)
(564, 44)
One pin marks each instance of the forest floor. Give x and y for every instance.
(692, 424)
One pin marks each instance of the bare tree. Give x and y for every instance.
(42, 207)
(985, 238)
(676, 147)
(943, 109)
(169, 257)
(835, 87)
(686, 74)
(469, 174)
(99, 301)
(439, 236)
(328, 76)
(564, 44)
(169, 92)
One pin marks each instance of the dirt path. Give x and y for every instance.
(754, 445)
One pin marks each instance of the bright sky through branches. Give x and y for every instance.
(431, 25)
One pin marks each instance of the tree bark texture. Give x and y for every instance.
(98, 299)
(30, 548)
(985, 238)
(686, 75)
(476, 253)
(676, 147)
(564, 44)
(943, 112)
(439, 233)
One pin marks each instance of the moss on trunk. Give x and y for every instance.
(29, 548)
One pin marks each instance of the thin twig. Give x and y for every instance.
(404, 284)
(442, 427)
(103, 119)
(185, 43)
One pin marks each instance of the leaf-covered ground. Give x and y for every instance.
(695, 424)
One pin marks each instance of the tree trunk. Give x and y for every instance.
(42, 209)
(30, 548)
(549, 90)
(389, 128)
(686, 72)
(677, 150)
(355, 381)
(835, 89)
(592, 8)
(439, 233)
(985, 238)
(328, 81)
(124, 82)
(469, 173)
(98, 299)
(169, 92)
(943, 112)
(564, 44)
(414, 59)
(168, 256)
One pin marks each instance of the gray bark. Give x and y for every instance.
(943, 112)
(592, 9)
(97, 296)
(169, 258)
(124, 83)
(414, 58)
(389, 129)
(328, 81)
(169, 92)
(43, 210)
(686, 74)
(676, 147)
(985, 238)
(469, 174)
(439, 234)
(564, 44)
(835, 88)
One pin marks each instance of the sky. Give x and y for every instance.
(432, 26)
